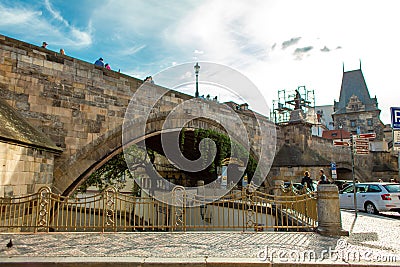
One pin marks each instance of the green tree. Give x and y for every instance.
(116, 171)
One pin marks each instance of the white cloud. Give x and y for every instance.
(243, 35)
(13, 16)
(55, 13)
(32, 23)
(78, 37)
(131, 50)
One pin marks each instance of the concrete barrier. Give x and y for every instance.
(328, 206)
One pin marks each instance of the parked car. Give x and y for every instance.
(372, 197)
(341, 184)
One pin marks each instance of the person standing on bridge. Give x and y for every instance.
(307, 181)
(149, 79)
(99, 62)
(322, 178)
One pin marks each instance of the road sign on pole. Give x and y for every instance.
(360, 146)
(366, 136)
(396, 140)
(340, 143)
(333, 169)
(395, 112)
(333, 166)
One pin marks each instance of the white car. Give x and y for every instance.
(372, 197)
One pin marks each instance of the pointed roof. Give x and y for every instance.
(353, 83)
(15, 129)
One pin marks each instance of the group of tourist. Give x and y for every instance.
(148, 79)
(308, 181)
(208, 97)
(44, 45)
(100, 63)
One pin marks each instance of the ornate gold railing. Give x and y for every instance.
(245, 210)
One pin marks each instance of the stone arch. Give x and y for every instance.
(69, 174)
(346, 167)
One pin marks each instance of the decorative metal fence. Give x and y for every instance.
(111, 211)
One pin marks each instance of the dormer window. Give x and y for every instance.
(355, 104)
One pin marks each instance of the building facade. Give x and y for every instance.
(356, 111)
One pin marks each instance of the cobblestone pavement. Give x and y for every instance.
(377, 234)
(373, 231)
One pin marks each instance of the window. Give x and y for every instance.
(392, 188)
(353, 123)
(334, 134)
(361, 188)
(373, 188)
(349, 189)
(369, 122)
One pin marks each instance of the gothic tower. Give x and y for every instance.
(356, 111)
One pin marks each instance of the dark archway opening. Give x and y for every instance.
(190, 149)
(344, 174)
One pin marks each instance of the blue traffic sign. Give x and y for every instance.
(333, 166)
(395, 118)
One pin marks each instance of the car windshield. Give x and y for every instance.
(392, 188)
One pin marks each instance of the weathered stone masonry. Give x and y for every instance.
(78, 105)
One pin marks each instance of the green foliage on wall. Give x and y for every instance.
(223, 147)
(115, 171)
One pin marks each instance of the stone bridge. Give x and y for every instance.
(81, 107)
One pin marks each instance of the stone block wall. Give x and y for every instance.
(76, 104)
(23, 170)
(361, 121)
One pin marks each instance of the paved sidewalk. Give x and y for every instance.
(378, 236)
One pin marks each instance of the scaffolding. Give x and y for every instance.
(300, 98)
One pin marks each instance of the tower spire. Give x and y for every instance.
(343, 66)
(360, 63)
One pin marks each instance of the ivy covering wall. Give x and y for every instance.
(111, 173)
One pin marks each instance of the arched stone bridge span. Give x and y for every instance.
(81, 108)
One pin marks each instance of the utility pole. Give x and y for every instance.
(354, 175)
(398, 164)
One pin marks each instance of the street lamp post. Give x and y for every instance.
(196, 70)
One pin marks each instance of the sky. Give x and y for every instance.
(278, 44)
